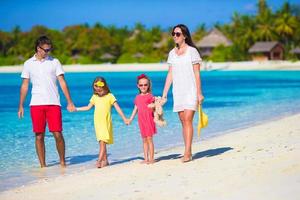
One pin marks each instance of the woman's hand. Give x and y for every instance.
(200, 99)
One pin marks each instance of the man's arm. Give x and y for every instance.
(23, 94)
(65, 89)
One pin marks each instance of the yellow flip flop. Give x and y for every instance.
(202, 119)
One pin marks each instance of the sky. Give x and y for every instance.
(57, 14)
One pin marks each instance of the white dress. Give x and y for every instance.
(184, 82)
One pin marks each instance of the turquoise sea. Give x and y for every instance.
(233, 100)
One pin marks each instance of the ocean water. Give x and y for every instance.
(233, 100)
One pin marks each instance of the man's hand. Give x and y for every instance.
(71, 107)
(21, 112)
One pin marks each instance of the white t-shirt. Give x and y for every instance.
(43, 76)
(184, 82)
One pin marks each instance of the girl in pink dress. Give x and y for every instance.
(145, 116)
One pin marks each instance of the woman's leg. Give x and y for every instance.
(151, 149)
(145, 149)
(181, 117)
(186, 118)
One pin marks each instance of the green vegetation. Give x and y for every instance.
(100, 44)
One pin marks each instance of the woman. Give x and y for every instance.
(184, 72)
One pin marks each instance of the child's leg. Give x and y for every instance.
(104, 160)
(98, 163)
(102, 154)
(151, 149)
(145, 148)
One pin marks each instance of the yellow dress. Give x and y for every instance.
(102, 117)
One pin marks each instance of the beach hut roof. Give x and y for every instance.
(138, 55)
(107, 56)
(214, 38)
(263, 46)
(162, 42)
(295, 50)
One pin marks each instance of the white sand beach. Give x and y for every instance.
(259, 162)
(206, 66)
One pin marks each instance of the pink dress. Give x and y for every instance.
(145, 115)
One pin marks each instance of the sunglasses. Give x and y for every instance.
(46, 50)
(143, 85)
(178, 34)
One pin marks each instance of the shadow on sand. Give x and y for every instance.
(73, 160)
(211, 152)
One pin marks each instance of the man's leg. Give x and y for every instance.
(38, 118)
(54, 119)
(60, 146)
(40, 148)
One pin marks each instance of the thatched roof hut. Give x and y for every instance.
(267, 51)
(107, 56)
(295, 50)
(138, 55)
(213, 39)
(162, 42)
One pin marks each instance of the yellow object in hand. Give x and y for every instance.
(202, 119)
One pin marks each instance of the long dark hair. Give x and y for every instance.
(186, 33)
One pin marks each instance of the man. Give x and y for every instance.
(43, 71)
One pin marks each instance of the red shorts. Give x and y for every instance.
(51, 114)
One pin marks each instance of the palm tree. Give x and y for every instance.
(264, 23)
(286, 24)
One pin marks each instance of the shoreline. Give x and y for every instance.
(206, 66)
(52, 170)
(265, 155)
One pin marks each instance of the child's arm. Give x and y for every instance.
(119, 110)
(85, 108)
(133, 114)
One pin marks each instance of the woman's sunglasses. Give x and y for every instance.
(46, 50)
(176, 33)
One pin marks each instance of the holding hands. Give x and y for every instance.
(71, 107)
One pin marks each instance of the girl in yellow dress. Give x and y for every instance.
(103, 100)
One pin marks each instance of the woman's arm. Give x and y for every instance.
(133, 114)
(196, 68)
(169, 80)
(85, 108)
(119, 110)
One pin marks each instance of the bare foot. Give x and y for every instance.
(185, 159)
(63, 165)
(104, 163)
(152, 161)
(98, 164)
(144, 162)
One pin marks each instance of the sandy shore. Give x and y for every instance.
(260, 162)
(206, 66)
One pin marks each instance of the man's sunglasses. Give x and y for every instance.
(46, 50)
(176, 33)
